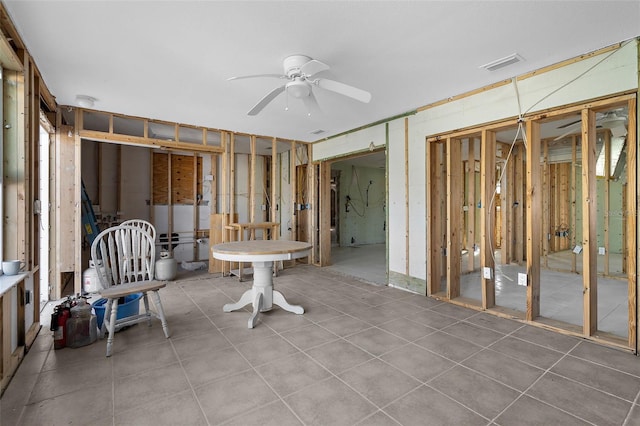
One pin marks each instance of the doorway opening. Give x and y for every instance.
(359, 218)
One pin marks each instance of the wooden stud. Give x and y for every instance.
(232, 178)
(574, 178)
(487, 213)
(518, 214)
(546, 196)
(196, 198)
(589, 219)
(169, 204)
(274, 204)
(293, 234)
(471, 203)
(534, 219)
(507, 207)
(607, 199)
(252, 184)
(435, 239)
(454, 208)
(632, 252)
(324, 212)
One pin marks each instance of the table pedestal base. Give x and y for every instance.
(262, 295)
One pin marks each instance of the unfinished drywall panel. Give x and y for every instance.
(183, 226)
(610, 72)
(417, 201)
(363, 140)
(285, 206)
(362, 205)
(90, 167)
(484, 107)
(109, 180)
(135, 184)
(397, 197)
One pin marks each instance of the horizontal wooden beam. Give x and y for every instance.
(150, 142)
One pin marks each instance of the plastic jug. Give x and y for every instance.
(82, 327)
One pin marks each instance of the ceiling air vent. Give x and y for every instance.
(502, 62)
(317, 132)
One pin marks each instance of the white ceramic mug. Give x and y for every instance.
(12, 267)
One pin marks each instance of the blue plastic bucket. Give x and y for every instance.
(130, 307)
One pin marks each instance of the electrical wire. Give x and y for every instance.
(577, 77)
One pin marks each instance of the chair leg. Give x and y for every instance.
(105, 318)
(156, 301)
(112, 324)
(146, 309)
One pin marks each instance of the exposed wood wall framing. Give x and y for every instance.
(487, 214)
(252, 181)
(506, 209)
(15, 168)
(454, 210)
(519, 180)
(534, 220)
(145, 138)
(273, 205)
(548, 191)
(589, 222)
(324, 213)
(631, 215)
(293, 235)
(435, 203)
(471, 204)
(573, 199)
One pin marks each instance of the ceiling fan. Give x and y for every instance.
(615, 120)
(298, 71)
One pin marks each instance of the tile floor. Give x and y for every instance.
(360, 355)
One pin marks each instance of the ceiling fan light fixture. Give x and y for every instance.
(298, 89)
(502, 62)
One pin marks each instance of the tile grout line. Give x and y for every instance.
(252, 367)
(533, 384)
(627, 419)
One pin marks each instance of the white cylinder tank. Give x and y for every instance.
(166, 267)
(90, 281)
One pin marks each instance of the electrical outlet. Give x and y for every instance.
(602, 251)
(522, 279)
(487, 273)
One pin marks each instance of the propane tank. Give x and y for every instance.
(166, 267)
(90, 281)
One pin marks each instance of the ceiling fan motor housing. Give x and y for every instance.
(293, 63)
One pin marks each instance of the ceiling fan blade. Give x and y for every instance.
(569, 124)
(344, 89)
(313, 67)
(265, 101)
(572, 130)
(312, 104)
(256, 76)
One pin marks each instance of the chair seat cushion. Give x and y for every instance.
(130, 288)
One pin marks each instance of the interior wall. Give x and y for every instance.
(595, 77)
(362, 219)
(135, 172)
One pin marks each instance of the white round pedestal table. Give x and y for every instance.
(262, 254)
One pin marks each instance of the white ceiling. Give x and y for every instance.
(170, 60)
